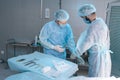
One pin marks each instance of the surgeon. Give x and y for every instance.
(96, 41)
(57, 35)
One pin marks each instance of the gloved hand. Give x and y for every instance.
(80, 60)
(72, 56)
(59, 48)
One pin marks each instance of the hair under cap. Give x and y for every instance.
(61, 15)
(86, 10)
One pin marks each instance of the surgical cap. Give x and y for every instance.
(86, 9)
(61, 15)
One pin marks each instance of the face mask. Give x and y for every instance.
(86, 20)
(62, 25)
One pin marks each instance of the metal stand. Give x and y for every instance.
(1, 61)
(9, 42)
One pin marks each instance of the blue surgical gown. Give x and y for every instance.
(52, 34)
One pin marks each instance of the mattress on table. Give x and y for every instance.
(46, 65)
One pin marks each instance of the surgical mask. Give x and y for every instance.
(86, 20)
(62, 25)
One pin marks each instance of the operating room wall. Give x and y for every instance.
(23, 19)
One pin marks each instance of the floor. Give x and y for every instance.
(5, 71)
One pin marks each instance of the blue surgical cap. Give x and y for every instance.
(61, 15)
(86, 10)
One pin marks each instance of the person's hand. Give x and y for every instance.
(59, 48)
(80, 61)
(72, 56)
(75, 55)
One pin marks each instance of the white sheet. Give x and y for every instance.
(93, 78)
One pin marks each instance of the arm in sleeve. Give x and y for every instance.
(85, 41)
(44, 36)
(70, 41)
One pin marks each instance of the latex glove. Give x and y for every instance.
(59, 48)
(72, 56)
(80, 61)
